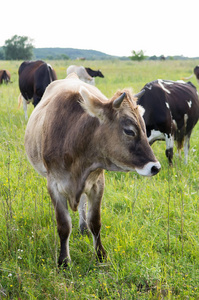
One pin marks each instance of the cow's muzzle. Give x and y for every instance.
(150, 169)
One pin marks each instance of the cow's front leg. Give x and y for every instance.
(64, 225)
(94, 216)
(169, 147)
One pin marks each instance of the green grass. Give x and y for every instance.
(149, 225)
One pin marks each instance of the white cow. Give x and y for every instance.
(81, 73)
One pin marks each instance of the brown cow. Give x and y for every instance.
(4, 76)
(75, 133)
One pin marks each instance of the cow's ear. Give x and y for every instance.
(91, 104)
(141, 110)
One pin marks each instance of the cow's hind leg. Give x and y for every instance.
(186, 147)
(94, 215)
(64, 225)
(25, 108)
(82, 214)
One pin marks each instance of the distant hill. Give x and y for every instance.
(71, 53)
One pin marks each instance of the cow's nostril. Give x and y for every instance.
(155, 170)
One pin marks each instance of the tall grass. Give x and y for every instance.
(149, 225)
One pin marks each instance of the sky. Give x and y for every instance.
(114, 27)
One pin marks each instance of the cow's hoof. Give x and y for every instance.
(63, 264)
(84, 230)
(101, 255)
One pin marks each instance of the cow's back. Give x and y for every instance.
(164, 99)
(81, 73)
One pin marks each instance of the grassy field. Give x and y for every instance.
(150, 226)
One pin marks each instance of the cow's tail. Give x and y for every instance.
(19, 100)
(187, 78)
(50, 72)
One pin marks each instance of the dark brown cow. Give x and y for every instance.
(4, 76)
(196, 72)
(171, 112)
(34, 77)
(75, 133)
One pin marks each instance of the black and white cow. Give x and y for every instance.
(171, 112)
(81, 73)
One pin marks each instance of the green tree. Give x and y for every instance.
(139, 55)
(2, 57)
(18, 48)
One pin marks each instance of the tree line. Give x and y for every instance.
(21, 48)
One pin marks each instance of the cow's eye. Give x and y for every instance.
(129, 132)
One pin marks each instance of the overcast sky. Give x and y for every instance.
(157, 27)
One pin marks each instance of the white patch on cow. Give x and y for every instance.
(155, 135)
(147, 170)
(189, 103)
(167, 82)
(181, 81)
(185, 120)
(141, 110)
(167, 105)
(160, 82)
(175, 126)
(169, 141)
(149, 87)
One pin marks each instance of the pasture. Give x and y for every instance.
(149, 225)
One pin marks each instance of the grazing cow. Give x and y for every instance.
(93, 73)
(81, 73)
(71, 137)
(171, 112)
(196, 72)
(4, 76)
(34, 77)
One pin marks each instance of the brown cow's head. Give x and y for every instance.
(121, 135)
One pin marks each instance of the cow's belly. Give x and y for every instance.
(33, 139)
(34, 156)
(155, 135)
